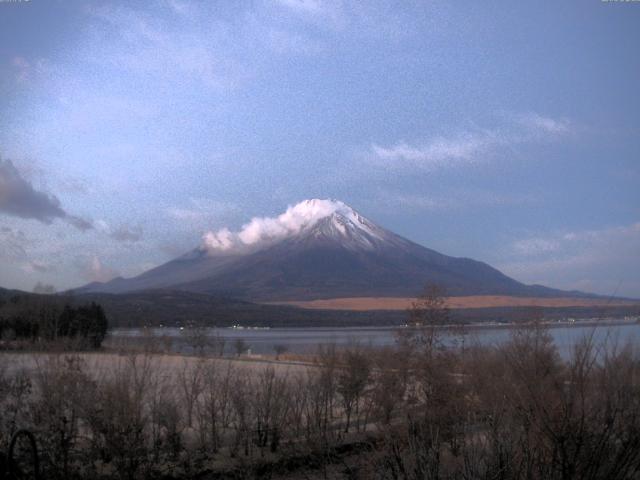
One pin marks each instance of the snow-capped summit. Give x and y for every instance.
(323, 217)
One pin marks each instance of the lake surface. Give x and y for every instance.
(306, 340)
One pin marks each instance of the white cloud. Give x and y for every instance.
(184, 213)
(467, 147)
(122, 233)
(154, 45)
(200, 213)
(263, 230)
(597, 259)
(324, 21)
(127, 233)
(538, 124)
(417, 202)
(221, 240)
(181, 7)
(26, 70)
(38, 266)
(94, 271)
(535, 246)
(22, 68)
(324, 12)
(12, 243)
(453, 200)
(437, 153)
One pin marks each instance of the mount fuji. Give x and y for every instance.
(319, 249)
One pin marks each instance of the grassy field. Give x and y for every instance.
(474, 301)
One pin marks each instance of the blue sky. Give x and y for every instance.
(508, 132)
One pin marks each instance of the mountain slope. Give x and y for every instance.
(319, 249)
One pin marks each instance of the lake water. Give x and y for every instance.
(306, 340)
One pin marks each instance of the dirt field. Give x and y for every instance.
(475, 301)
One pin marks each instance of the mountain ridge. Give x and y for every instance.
(319, 249)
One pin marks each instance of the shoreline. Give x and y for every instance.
(474, 326)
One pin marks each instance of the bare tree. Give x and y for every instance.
(197, 338)
(214, 407)
(387, 392)
(353, 378)
(279, 350)
(271, 401)
(426, 317)
(218, 343)
(190, 382)
(241, 414)
(240, 346)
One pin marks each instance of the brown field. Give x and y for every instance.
(474, 301)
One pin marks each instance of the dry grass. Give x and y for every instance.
(99, 363)
(473, 301)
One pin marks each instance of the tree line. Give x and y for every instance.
(46, 319)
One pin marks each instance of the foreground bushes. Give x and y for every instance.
(519, 412)
(417, 411)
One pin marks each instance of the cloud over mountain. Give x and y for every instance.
(263, 230)
(95, 271)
